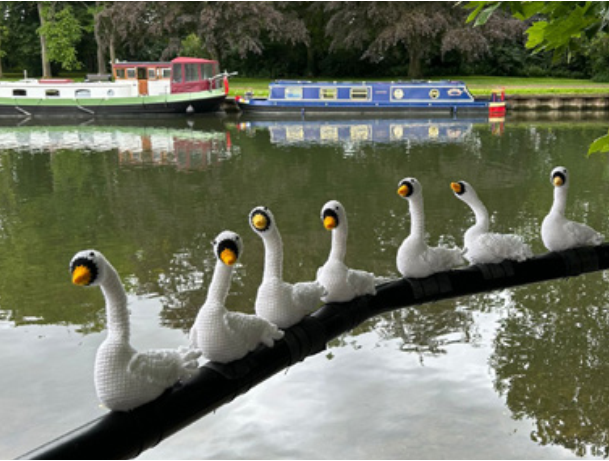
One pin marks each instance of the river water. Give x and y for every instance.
(518, 373)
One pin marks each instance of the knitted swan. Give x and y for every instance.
(557, 232)
(277, 301)
(221, 335)
(341, 283)
(125, 378)
(415, 259)
(482, 246)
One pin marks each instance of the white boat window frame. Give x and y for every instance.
(288, 93)
(17, 92)
(82, 93)
(52, 93)
(323, 97)
(359, 89)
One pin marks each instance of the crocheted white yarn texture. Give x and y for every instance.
(557, 232)
(341, 283)
(125, 378)
(414, 258)
(221, 335)
(277, 301)
(482, 246)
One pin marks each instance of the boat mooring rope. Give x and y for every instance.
(122, 435)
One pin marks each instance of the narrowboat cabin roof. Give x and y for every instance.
(140, 63)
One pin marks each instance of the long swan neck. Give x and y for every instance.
(220, 283)
(480, 212)
(417, 217)
(116, 305)
(273, 259)
(339, 241)
(560, 200)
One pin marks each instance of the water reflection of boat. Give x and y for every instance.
(374, 130)
(182, 147)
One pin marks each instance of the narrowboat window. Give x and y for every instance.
(191, 72)
(19, 93)
(328, 93)
(177, 73)
(120, 73)
(293, 92)
(166, 73)
(359, 93)
(110, 92)
(130, 73)
(215, 68)
(52, 93)
(207, 71)
(152, 74)
(83, 93)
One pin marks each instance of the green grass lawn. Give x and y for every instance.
(479, 85)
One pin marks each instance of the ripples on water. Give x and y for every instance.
(519, 373)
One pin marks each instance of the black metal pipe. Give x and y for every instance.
(122, 435)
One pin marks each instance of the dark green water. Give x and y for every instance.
(520, 373)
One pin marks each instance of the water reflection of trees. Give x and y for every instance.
(551, 362)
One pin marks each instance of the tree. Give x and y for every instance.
(59, 32)
(46, 64)
(421, 28)
(560, 27)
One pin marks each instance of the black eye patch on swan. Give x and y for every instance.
(463, 188)
(265, 216)
(560, 175)
(410, 187)
(88, 264)
(227, 245)
(332, 214)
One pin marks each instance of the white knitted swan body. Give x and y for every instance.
(221, 335)
(125, 378)
(341, 283)
(557, 232)
(480, 245)
(414, 258)
(281, 303)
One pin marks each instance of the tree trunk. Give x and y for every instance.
(414, 64)
(112, 50)
(101, 55)
(46, 65)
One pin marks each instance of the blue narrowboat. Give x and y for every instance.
(446, 97)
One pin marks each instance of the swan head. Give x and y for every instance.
(261, 220)
(228, 247)
(88, 268)
(409, 188)
(333, 215)
(463, 190)
(560, 177)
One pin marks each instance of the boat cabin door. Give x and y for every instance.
(142, 81)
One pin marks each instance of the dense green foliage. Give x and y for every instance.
(308, 39)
